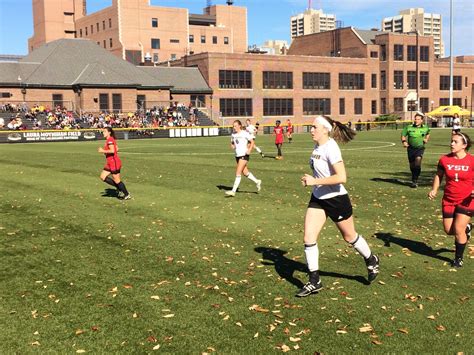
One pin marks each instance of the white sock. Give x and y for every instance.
(258, 150)
(312, 256)
(360, 244)
(251, 177)
(236, 183)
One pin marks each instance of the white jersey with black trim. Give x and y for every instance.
(252, 130)
(240, 141)
(321, 162)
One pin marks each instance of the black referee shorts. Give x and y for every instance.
(413, 153)
(338, 208)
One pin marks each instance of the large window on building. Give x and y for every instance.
(411, 79)
(383, 106)
(374, 107)
(424, 80)
(398, 104)
(316, 106)
(342, 106)
(191, 38)
(235, 107)
(58, 100)
(374, 81)
(383, 80)
(358, 108)
(214, 39)
(444, 82)
(424, 54)
(317, 81)
(351, 81)
(445, 101)
(117, 102)
(424, 104)
(155, 43)
(411, 53)
(104, 102)
(398, 79)
(154, 22)
(398, 52)
(278, 107)
(203, 39)
(235, 79)
(383, 52)
(277, 80)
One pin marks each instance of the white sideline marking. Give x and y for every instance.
(384, 145)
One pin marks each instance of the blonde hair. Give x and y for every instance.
(340, 132)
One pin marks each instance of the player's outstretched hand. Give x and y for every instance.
(100, 150)
(432, 194)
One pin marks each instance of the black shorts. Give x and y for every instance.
(244, 157)
(413, 153)
(338, 208)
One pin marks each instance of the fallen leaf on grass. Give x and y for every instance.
(256, 335)
(95, 328)
(366, 328)
(168, 315)
(79, 332)
(440, 328)
(403, 330)
(295, 340)
(80, 351)
(431, 317)
(389, 334)
(156, 347)
(36, 343)
(155, 297)
(257, 308)
(127, 286)
(151, 339)
(376, 342)
(283, 347)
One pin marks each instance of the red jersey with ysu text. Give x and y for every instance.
(278, 134)
(459, 175)
(113, 160)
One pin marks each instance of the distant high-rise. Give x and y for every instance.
(415, 19)
(311, 21)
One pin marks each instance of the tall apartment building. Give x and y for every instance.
(311, 21)
(132, 29)
(415, 19)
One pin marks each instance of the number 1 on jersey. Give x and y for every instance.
(456, 177)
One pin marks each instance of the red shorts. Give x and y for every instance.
(465, 206)
(279, 140)
(113, 166)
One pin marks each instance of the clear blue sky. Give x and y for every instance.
(267, 19)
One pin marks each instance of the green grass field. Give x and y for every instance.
(182, 269)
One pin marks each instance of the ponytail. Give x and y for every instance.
(340, 132)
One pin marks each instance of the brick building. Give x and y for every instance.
(132, 28)
(81, 76)
(347, 73)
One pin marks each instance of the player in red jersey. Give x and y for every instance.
(289, 130)
(113, 163)
(458, 201)
(278, 132)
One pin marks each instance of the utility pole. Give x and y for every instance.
(451, 53)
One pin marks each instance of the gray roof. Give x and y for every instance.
(69, 62)
(182, 79)
(367, 36)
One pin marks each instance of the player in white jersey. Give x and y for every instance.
(330, 199)
(242, 142)
(253, 132)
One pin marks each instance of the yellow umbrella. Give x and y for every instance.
(449, 111)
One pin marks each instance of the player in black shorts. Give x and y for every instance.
(330, 199)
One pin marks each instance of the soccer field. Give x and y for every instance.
(180, 268)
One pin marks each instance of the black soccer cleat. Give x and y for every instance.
(310, 288)
(457, 263)
(373, 265)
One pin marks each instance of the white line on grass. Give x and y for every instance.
(125, 151)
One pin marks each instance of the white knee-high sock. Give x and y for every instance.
(236, 183)
(251, 177)
(312, 256)
(360, 244)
